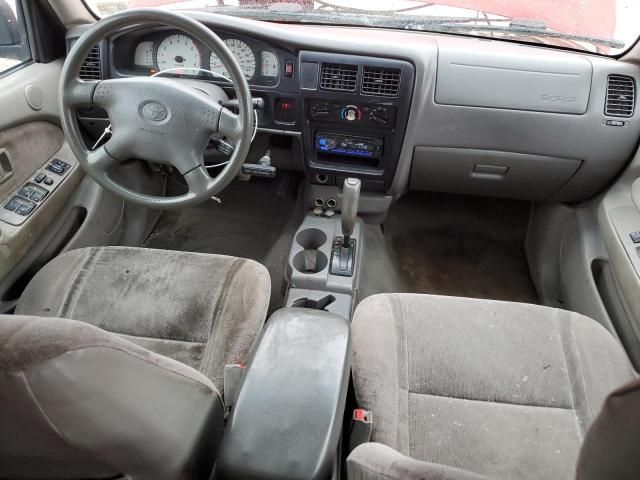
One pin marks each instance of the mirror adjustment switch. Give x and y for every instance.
(635, 236)
(58, 167)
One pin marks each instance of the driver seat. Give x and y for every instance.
(125, 376)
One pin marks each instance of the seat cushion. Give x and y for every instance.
(500, 389)
(202, 310)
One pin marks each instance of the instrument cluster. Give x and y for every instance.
(183, 54)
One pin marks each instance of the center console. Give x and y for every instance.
(355, 112)
(287, 419)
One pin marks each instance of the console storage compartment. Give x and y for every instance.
(288, 414)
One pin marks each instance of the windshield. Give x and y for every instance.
(606, 27)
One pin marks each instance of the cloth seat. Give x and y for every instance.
(113, 365)
(202, 310)
(464, 388)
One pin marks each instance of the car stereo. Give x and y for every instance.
(348, 145)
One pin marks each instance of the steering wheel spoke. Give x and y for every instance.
(100, 160)
(198, 181)
(80, 92)
(230, 125)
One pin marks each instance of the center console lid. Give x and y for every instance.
(287, 418)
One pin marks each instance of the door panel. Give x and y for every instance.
(42, 80)
(25, 157)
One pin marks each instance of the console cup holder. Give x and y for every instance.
(310, 261)
(311, 238)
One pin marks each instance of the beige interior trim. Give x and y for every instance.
(15, 241)
(72, 12)
(15, 109)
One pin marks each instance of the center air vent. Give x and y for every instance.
(341, 78)
(90, 69)
(621, 96)
(382, 82)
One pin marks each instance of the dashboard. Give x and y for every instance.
(414, 110)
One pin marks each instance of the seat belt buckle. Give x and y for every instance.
(361, 427)
(233, 374)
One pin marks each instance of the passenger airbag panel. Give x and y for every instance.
(530, 81)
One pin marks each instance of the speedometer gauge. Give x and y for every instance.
(243, 53)
(179, 51)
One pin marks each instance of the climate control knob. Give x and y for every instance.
(350, 113)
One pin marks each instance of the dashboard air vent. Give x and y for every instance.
(382, 82)
(621, 96)
(90, 69)
(340, 78)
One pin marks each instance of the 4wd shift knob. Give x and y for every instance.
(349, 213)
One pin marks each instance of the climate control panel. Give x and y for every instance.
(379, 115)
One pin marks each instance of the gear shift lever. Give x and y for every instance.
(350, 198)
(343, 252)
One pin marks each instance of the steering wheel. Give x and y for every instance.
(160, 120)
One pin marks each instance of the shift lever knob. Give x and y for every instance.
(350, 198)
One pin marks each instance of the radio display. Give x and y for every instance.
(348, 145)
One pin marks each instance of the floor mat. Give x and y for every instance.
(256, 220)
(452, 245)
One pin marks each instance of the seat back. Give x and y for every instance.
(611, 448)
(79, 402)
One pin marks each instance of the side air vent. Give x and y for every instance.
(339, 78)
(621, 96)
(90, 69)
(382, 82)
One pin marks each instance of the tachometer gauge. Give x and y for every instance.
(269, 64)
(144, 54)
(243, 53)
(179, 51)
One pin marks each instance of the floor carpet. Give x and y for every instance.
(256, 220)
(450, 245)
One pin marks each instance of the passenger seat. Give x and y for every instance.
(473, 389)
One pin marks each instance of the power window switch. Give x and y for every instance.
(635, 236)
(25, 209)
(25, 191)
(12, 204)
(38, 195)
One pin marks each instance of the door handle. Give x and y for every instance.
(6, 169)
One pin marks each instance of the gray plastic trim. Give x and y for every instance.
(323, 280)
(534, 80)
(287, 419)
(490, 173)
